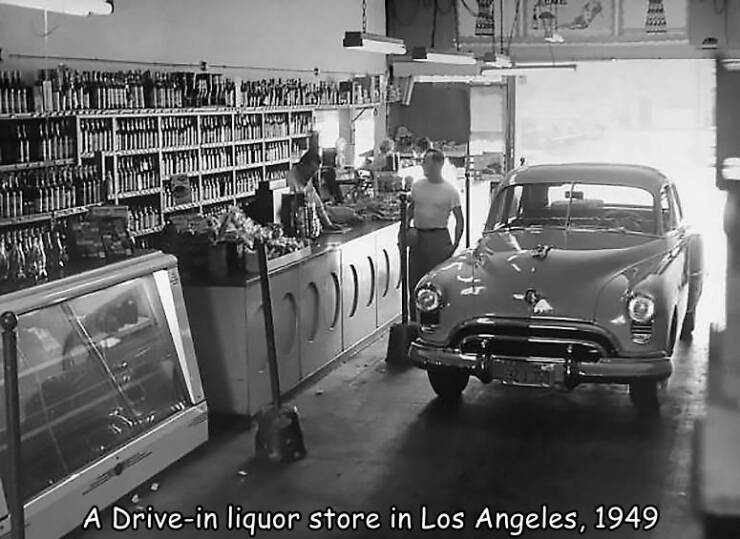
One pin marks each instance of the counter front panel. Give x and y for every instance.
(323, 306)
(320, 311)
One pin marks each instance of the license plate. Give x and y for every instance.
(522, 373)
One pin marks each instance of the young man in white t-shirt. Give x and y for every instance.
(432, 201)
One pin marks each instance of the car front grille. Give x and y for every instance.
(529, 341)
(642, 333)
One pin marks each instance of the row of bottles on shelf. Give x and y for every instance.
(96, 135)
(290, 93)
(15, 97)
(214, 158)
(215, 129)
(216, 210)
(136, 133)
(144, 217)
(248, 127)
(179, 131)
(37, 191)
(277, 173)
(247, 181)
(169, 201)
(138, 172)
(32, 253)
(41, 140)
(276, 125)
(217, 186)
(64, 89)
(248, 154)
(180, 163)
(300, 124)
(142, 133)
(277, 151)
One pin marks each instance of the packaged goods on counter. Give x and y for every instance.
(104, 235)
(223, 245)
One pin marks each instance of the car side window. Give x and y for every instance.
(677, 204)
(666, 211)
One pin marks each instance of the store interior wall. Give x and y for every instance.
(438, 111)
(275, 38)
(279, 37)
(658, 113)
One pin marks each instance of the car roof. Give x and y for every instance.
(610, 173)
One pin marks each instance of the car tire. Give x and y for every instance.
(687, 329)
(647, 397)
(448, 384)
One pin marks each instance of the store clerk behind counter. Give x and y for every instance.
(433, 199)
(300, 180)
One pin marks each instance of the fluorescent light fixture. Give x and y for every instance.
(421, 54)
(731, 168)
(555, 38)
(493, 59)
(731, 64)
(82, 8)
(466, 79)
(528, 69)
(373, 43)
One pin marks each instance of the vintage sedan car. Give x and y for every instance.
(585, 273)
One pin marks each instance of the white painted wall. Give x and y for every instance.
(290, 35)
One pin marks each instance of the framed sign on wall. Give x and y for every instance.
(484, 24)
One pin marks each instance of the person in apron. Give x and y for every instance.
(432, 201)
(300, 180)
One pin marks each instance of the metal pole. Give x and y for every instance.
(467, 196)
(404, 260)
(269, 324)
(9, 321)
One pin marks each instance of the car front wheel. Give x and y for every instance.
(647, 397)
(448, 384)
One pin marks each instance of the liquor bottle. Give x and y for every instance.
(17, 260)
(4, 261)
(56, 253)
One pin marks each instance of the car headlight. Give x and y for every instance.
(641, 309)
(428, 299)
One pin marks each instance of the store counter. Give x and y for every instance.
(326, 306)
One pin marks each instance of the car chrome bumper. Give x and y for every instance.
(609, 370)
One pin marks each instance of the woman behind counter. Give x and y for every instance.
(300, 180)
(384, 160)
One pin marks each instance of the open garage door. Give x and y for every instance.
(652, 112)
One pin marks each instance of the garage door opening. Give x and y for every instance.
(658, 113)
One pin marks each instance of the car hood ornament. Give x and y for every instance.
(536, 301)
(541, 251)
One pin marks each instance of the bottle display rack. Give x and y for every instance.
(225, 152)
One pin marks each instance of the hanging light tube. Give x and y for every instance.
(492, 59)
(362, 41)
(528, 69)
(421, 54)
(555, 38)
(81, 8)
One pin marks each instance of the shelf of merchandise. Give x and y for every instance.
(141, 193)
(45, 216)
(36, 164)
(146, 231)
(109, 158)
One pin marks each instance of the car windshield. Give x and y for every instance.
(617, 208)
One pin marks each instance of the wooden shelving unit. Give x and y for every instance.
(110, 159)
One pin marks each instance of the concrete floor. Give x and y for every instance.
(377, 438)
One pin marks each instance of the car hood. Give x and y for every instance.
(570, 275)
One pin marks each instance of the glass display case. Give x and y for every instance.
(100, 370)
